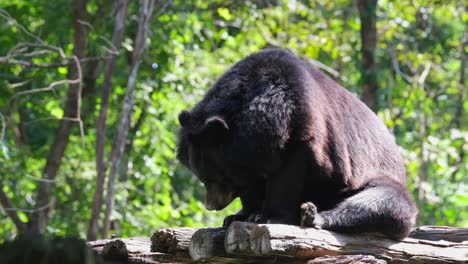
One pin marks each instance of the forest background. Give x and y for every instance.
(90, 91)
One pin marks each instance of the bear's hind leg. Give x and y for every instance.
(383, 206)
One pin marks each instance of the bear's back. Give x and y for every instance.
(273, 98)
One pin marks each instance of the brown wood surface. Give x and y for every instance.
(309, 243)
(172, 240)
(447, 233)
(252, 243)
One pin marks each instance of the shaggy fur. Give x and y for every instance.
(297, 148)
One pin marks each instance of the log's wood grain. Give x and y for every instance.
(435, 233)
(253, 243)
(207, 242)
(284, 240)
(172, 240)
(238, 238)
(133, 245)
(347, 259)
(115, 250)
(132, 250)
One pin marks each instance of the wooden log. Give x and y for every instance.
(134, 250)
(155, 258)
(238, 238)
(207, 242)
(115, 250)
(172, 240)
(435, 233)
(133, 245)
(347, 259)
(247, 242)
(208, 246)
(293, 241)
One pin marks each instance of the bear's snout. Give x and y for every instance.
(217, 199)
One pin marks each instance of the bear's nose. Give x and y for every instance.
(209, 205)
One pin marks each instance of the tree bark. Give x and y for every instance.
(121, 7)
(39, 218)
(146, 10)
(370, 86)
(89, 87)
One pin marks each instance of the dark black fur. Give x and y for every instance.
(277, 133)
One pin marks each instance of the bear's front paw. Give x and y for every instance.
(231, 218)
(256, 218)
(309, 215)
(228, 220)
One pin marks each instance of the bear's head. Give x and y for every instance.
(200, 149)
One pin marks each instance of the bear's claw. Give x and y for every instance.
(308, 214)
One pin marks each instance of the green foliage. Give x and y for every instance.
(190, 44)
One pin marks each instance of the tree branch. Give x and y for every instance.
(7, 205)
(121, 7)
(118, 145)
(39, 220)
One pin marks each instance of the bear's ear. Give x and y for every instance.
(184, 119)
(215, 130)
(216, 122)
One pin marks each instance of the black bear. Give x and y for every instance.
(297, 148)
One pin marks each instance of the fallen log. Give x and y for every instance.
(238, 238)
(238, 242)
(208, 246)
(131, 250)
(252, 243)
(172, 240)
(126, 246)
(434, 233)
(116, 249)
(207, 242)
(284, 240)
(347, 259)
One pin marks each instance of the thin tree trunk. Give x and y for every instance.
(121, 7)
(131, 140)
(423, 154)
(146, 9)
(39, 218)
(89, 87)
(423, 169)
(9, 208)
(91, 72)
(457, 120)
(370, 86)
(343, 38)
(123, 171)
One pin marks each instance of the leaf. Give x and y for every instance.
(224, 13)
